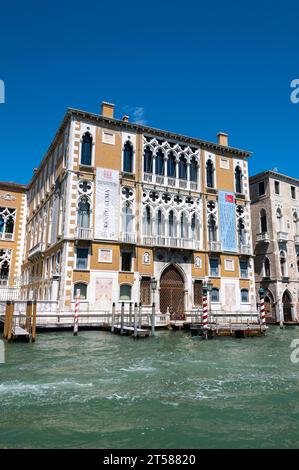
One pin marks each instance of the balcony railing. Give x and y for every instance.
(6, 236)
(262, 237)
(245, 249)
(128, 237)
(171, 242)
(215, 246)
(83, 233)
(296, 239)
(36, 250)
(165, 180)
(282, 236)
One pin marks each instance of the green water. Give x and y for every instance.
(173, 391)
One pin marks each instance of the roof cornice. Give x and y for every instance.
(152, 130)
(272, 174)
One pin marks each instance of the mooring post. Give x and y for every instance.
(122, 318)
(130, 314)
(76, 319)
(153, 319)
(6, 320)
(10, 320)
(28, 315)
(262, 309)
(135, 319)
(113, 318)
(140, 316)
(33, 326)
(205, 312)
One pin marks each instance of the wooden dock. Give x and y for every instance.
(129, 331)
(240, 330)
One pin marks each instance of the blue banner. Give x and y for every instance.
(228, 231)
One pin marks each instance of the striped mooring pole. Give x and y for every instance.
(76, 319)
(205, 313)
(262, 307)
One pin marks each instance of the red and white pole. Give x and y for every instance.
(262, 313)
(76, 319)
(205, 314)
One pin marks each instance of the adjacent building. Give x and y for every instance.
(275, 233)
(115, 205)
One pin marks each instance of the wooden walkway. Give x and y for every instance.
(129, 331)
(228, 329)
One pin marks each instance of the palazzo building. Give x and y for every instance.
(115, 204)
(275, 232)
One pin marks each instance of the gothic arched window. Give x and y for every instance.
(210, 174)
(160, 163)
(128, 157)
(267, 272)
(238, 180)
(263, 221)
(183, 168)
(283, 264)
(171, 165)
(84, 213)
(86, 149)
(171, 224)
(193, 170)
(148, 160)
(212, 229)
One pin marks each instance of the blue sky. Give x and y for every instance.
(191, 67)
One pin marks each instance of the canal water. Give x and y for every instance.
(173, 391)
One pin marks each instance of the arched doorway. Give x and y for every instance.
(269, 308)
(172, 293)
(287, 307)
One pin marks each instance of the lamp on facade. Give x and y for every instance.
(154, 284)
(261, 291)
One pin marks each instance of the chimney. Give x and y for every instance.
(107, 109)
(222, 139)
(125, 118)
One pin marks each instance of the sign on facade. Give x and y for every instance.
(107, 204)
(227, 218)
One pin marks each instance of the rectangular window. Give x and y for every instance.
(214, 267)
(229, 264)
(261, 188)
(293, 192)
(276, 186)
(197, 292)
(126, 261)
(82, 258)
(244, 269)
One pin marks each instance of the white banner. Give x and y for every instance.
(107, 204)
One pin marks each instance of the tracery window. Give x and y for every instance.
(7, 223)
(5, 261)
(210, 174)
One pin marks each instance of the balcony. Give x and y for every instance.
(164, 180)
(6, 236)
(128, 237)
(282, 236)
(36, 250)
(193, 186)
(183, 184)
(83, 233)
(296, 239)
(148, 177)
(215, 246)
(171, 242)
(263, 237)
(245, 249)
